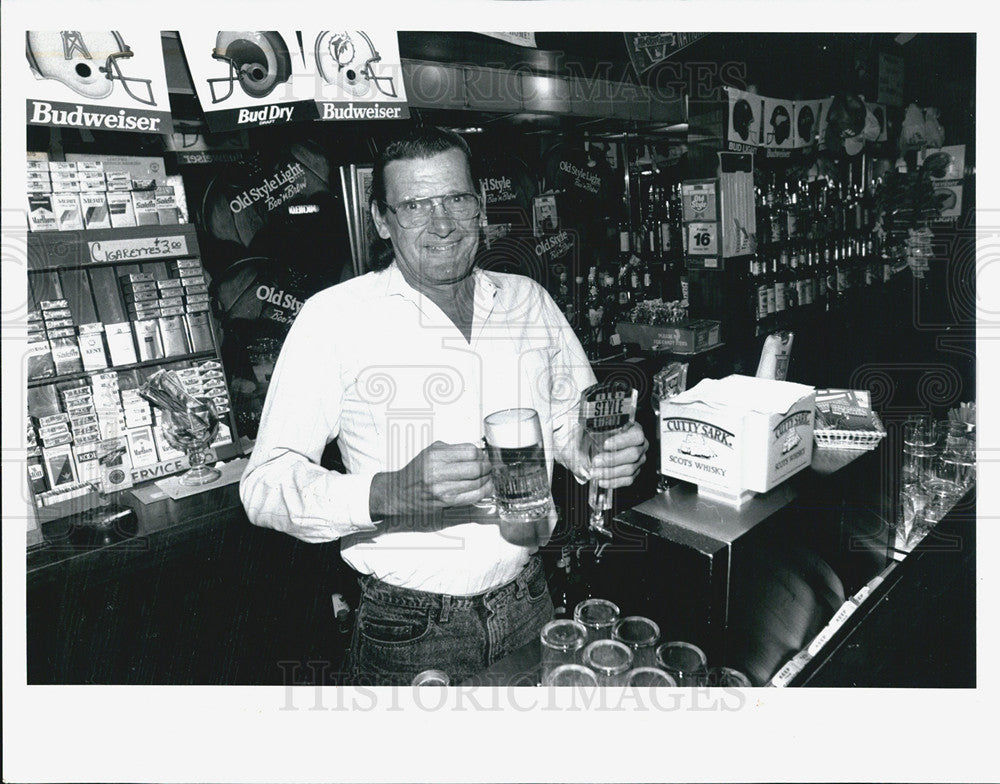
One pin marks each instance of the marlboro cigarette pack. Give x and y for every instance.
(141, 446)
(40, 214)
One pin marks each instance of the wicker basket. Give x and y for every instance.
(863, 440)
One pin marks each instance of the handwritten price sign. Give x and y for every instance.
(138, 249)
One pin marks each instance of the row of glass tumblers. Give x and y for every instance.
(599, 648)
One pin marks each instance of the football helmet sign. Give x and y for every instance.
(348, 59)
(258, 61)
(86, 62)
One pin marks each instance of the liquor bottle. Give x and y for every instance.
(781, 281)
(822, 287)
(758, 288)
(771, 281)
(802, 290)
(843, 265)
(763, 219)
(791, 212)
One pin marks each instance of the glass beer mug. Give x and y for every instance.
(520, 477)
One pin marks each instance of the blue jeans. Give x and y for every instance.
(400, 632)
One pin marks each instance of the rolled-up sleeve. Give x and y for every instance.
(571, 373)
(284, 486)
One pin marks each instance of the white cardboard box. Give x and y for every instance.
(737, 434)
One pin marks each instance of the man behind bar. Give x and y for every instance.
(401, 365)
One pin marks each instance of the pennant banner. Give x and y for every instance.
(777, 117)
(649, 49)
(743, 132)
(108, 80)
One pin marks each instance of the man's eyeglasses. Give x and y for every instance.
(414, 213)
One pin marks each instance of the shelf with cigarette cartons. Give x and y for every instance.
(107, 308)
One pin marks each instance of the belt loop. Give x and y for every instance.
(445, 608)
(520, 585)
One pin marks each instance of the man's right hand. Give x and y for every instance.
(442, 475)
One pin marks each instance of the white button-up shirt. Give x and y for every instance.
(380, 367)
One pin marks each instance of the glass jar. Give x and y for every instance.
(726, 676)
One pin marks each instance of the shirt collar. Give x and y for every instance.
(486, 289)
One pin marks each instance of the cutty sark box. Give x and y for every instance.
(737, 434)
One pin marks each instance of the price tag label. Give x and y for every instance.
(138, 249)
(703, 239)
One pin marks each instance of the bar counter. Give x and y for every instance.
(198, 595)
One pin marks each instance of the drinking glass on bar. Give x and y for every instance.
(920, 438)
(599, 616)
(727, 676)
(610, 660)
(570, 675)
(641, 635)
(517, 455)
(684, 662)
(649, 676)
(562, 643)
(431, 678)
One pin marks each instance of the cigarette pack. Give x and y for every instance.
(52, 325)
(176, 265)
(134, 294)
(144, 203)
(95, 210)
(38, 176)
(120, 209)
(66, 355)
(147, 337)
(40, 214)
(173, 335)
(169, 301)
(92, 186)
(92, 351)
(63, 167)
(90, 166)
(169, 284)
(140, 287)
(60, 467)
(91, 328)
(224, 436)
(53, 304)
(111, 426)
(166, 205)
(52, 314)
(199, 331)
(176, 310)
(136, 277)
(60, 332)
(121, 344)
(115, 466)
(52, 419)
(141, 446)
(39, 359)
(37, 165)
(66, 206)
(87, 467)
(163, 448)
(66, 185)
(36, 474)
(38, 186)
(75, 391)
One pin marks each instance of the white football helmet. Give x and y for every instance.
(346, 59)
(87, 63)
(259, 61)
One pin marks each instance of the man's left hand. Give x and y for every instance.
(617, 463)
